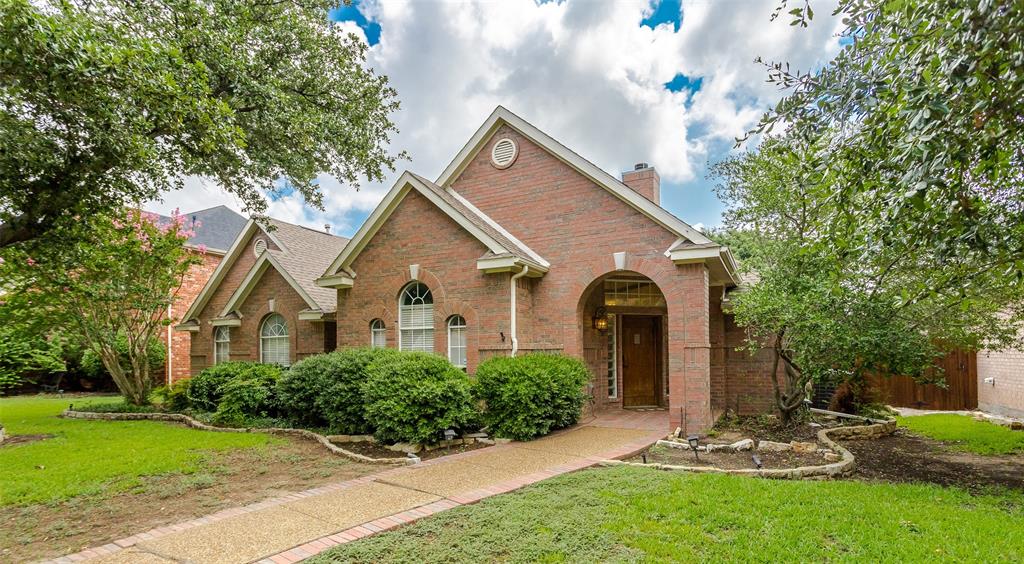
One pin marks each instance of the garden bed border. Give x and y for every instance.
(827, 436)
(196, 424)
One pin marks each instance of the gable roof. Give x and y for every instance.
(302, 255)
(502, 116)
(215, 228)
(504, 250)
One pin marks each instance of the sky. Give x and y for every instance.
(665, 82)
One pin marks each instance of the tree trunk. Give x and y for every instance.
(790, 395)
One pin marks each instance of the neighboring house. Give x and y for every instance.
(261, 302)
(215, 230)
(1001, 382)
(521, 245)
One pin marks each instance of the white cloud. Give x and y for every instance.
(586, 72)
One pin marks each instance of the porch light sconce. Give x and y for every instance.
(694, 441)
(601, 319)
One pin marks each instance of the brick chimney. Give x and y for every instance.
(644, 180)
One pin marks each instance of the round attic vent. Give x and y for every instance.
(504, 153)
(259, 246)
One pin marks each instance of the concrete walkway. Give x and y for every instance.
(297, 526)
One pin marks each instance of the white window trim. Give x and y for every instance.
(374, 331)
(286, 337)
(465, 341)
(430, 322)
(613, 364)
(217, 341)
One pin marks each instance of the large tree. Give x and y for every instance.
(920, 120)
(831, 315)
(110, 284)
(110, 102)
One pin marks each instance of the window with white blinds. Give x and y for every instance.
(416, 319)
(378, 334)
(221, 344)
(457, 340)
(274, 341)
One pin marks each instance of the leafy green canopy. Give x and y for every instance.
(919, 124)
(109, 102)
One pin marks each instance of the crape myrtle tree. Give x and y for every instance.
(106, 103)
(111, 283)
(831, 315)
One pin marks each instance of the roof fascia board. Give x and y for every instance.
(492, 265)
(218, 273)
(384, 210)
(586, 168)
(335, 281)
(254, 275)
(234, 322)
(692, 255)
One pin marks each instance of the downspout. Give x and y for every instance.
(512, 301)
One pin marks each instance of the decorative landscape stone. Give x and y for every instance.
(772, 446)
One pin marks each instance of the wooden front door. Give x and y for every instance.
(641, 359)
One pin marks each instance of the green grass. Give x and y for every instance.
(965, 433)
(632, 514)
(96, 457)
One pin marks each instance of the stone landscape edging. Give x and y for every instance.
(833, 469)
(196, 424)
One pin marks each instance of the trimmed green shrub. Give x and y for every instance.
(175, 397)
(531, 395)
(203, 392)
(250, 395)
(93, 367)
(414, 397)
(326, 390)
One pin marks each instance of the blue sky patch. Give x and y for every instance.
(666, 11)
(351, 13)
(682, 82)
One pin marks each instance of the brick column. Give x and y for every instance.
(689, 350)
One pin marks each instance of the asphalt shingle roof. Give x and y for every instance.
(307, 254)
(216, 227)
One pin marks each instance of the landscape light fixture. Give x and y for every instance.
(757, 460)
(449, 434)
(601, 319)
(694, 441)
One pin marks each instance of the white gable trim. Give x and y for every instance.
(254, 275)
(382, 212)
(251, 227)
(500, 116)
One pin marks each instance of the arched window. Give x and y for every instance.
(416, 318)
(457, 340)
(378, 334)
(274, 341)
(221, 344)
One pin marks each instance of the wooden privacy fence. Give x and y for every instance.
(961, 391)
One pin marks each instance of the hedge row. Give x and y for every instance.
(397, 396)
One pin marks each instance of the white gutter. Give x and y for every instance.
(512, 301)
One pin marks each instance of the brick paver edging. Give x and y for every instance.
(389, 522)
(843, 466)
(195, 424)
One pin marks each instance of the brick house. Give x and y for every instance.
(1001, 382)
(260, 303)
(522, 245)
(215, 230)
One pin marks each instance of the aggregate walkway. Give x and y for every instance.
(300, 525)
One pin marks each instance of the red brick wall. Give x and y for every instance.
(419, 233)
(306, 337)
(179, 349)
(577, 226)
(748, 385)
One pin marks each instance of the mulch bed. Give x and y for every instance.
(729, 460)
(905, 457)
(374, 450)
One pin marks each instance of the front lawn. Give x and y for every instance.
(641, 514)
(87, 457)
(966, 433)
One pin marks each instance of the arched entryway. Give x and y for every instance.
(623, 317)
